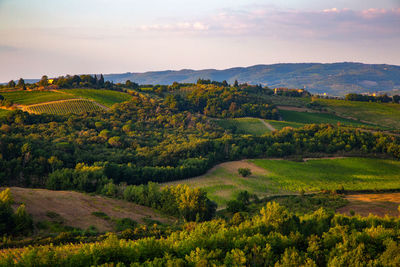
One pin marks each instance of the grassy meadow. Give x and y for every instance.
(244, 125)
(34, 97)
(282, 124)
(3, 112)
(318, 174)
(311, 117)
(270, 177)
(104, 97)
(383, 114)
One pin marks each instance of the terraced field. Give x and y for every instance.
(383, 114)
(311, 117)
(34, 97)
(104, 97)
(64, 107)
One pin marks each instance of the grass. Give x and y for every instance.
(282, 124)
(244, 125)
(378, 113)
(286, 101)
(315, 175)
(34, 97)
(223, 183)
(310, 117)
(271, 177)
(104, 97)
(65, 107)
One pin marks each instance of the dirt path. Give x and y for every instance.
(269, 126)
(76, 209)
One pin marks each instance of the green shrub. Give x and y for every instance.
(244, 172)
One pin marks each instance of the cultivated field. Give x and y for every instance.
(244, 125)
(64, 107)
(271, 177)
(76, 209)
(34, 97)
(317, 118)
(378, 113)
(319, 174)
(104, 97)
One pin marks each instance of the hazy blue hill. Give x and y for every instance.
(335, 78)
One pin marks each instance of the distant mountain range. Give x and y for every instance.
(334, 79)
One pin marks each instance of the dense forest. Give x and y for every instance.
(273, 237)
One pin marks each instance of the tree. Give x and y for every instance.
(11, 84)
(236, 84)
(44, 81)
(101, 81)
(21, 83)
(244, 172)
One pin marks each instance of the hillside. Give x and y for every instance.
(79, 210)
(335, 79)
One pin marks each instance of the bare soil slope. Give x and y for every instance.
(76, 208)
(377, 204)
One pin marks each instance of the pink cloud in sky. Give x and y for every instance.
(334, 23)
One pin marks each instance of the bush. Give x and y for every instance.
(244, 172)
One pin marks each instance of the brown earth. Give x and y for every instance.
(291, 108)
(377, 204)
(76, 208)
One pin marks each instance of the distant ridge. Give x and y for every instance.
(332, 78)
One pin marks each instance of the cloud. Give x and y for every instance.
(270, 22)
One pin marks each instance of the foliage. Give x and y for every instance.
(13, 223)
(180, 201)
(244, 172)
(274, 237)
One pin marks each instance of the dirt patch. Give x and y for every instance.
(377, 204)
(233, 166)
(76, 208)
(295, 109)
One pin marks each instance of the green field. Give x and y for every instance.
(65, 107)
(244, 125)
(351, 173)
(383, 114)
(271, 177)
(282, 124)
(34, 97)
(311, 117)
(104, 97)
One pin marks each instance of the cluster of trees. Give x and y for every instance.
(274, 237)
(180, 201)
(228, 102)
(291, 92)
(12, 222)
(369, 98)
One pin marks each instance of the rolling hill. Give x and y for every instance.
(335, 78)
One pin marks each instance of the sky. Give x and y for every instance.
(58, 37)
